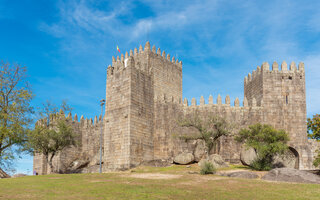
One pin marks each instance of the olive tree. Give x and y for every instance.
(210, 128)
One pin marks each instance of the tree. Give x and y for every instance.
(314, 127)
(52, 134)
(267, 142)
(314, 133)
(15, 110)
(210, 128)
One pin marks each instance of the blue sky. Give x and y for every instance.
(67, 45)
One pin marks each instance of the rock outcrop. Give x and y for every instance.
(291, 175)
(240, 174)
(244, 174)
(287, 160)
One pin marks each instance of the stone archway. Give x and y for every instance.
(296, 155)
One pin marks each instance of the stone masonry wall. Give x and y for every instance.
(141, 110)
(239, 117)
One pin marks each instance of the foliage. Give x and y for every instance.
(207, 168)
(210, 128)
(261, 164)
(50, 137)
(316, 161)
(267, 142)
(15, 110)
(314, 127)
(7, 160)
(314, 133)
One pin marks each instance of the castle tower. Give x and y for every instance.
(133, 85)
(282, 95)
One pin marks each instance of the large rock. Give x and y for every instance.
(95, 160)
(184, 158)
(200, 150)
(78, 164)
(216, 161)
(243, 174)
(287, 160)
(247, 155)
(291, 175)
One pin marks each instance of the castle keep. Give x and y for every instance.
(144, 101)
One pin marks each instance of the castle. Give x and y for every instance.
(144, 101)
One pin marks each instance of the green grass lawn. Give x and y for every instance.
(151, 183)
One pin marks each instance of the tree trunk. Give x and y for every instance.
(3, 174)
(47, 161)
(50, 163)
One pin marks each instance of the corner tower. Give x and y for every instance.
(282, 95)
(134, 82)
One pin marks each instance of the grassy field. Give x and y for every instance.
(173, 182)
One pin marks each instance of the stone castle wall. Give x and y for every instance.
(238, 116)
(86, 152)
(144, 102)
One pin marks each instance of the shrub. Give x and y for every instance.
(207, 168)
(261, 164)
(316, 161)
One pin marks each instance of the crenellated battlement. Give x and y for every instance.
(84, 122)
(218, 103)
(135, 57)
(265, 68)
(159, 70)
